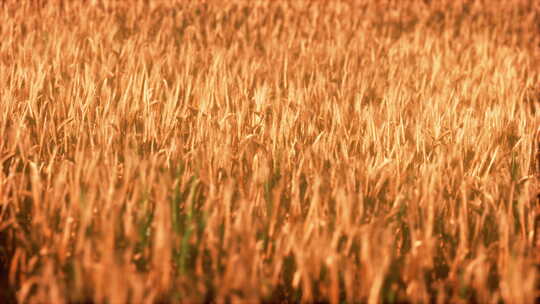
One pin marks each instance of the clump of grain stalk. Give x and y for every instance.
(283, 151)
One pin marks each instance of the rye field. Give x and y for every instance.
(347, 151)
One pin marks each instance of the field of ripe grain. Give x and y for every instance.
(347, 151)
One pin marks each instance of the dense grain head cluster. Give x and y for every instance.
(342, 151)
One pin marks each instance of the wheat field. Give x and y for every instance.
(346, 151)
